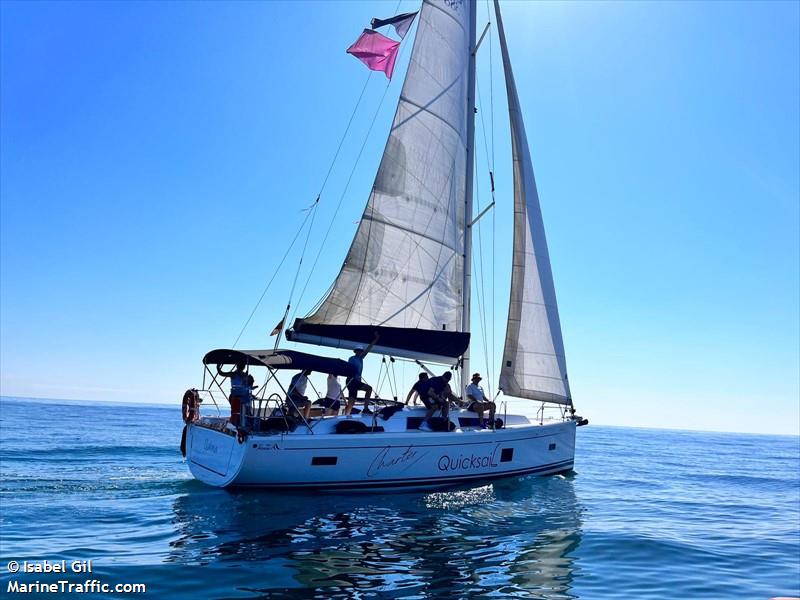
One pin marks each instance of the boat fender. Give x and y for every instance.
(183, 441)
(191, 405)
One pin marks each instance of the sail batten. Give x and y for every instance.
(405, 267)
(534, 364)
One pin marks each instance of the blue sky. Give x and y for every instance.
(155, 159)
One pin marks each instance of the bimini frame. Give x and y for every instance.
(274, 361)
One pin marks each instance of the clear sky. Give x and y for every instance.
(156, 158)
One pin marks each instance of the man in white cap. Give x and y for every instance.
(354, 383)
(478, 402)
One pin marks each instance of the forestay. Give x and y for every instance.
(403, 275)
(533, 365)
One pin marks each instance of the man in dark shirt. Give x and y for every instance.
(436, 395)
(420, 389)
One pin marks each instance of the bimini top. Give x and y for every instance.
(279, 359)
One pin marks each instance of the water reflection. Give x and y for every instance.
(513, 538)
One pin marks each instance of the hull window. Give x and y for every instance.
(319, 461)
(506, 455)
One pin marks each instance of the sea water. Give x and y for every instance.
(647, 514)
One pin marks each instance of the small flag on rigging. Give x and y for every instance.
(278, 328)
(376, 51)
(402, 23)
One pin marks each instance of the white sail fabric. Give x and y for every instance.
(534, 365)
(405, 266)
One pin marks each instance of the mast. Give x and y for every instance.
(467, 286)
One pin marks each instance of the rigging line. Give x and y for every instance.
(490, 166)
(330, 168)
(491, 85)
(282, 324)
(379, 385)
(480, 242)
(325, 181)
(394, 376)
(319, 302)
(483, 129)
(339, 203)
(280, 264)
(482, 288)
(494, 292)
(385, 372)
(480, 230)
(344, 135)
(491, 124)
(316, 391)
(349, 179)
(392, 381)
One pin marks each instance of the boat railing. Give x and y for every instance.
(206, 394)
(555, 411)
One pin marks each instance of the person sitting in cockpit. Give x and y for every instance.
(296, 397)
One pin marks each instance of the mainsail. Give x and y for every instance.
(534, 365)
(403, 276)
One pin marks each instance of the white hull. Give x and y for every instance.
(407, 459)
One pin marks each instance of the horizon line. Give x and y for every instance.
(174, 405)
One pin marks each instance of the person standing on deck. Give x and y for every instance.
(354, 383)
(241, 384)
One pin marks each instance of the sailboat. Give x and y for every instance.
(405, 287)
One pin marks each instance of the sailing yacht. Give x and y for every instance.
(406, 283)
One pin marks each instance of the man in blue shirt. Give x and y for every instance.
(241, 384)
(354, 383)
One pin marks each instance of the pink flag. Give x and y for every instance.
(376, 51)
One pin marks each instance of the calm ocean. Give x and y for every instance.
(647, 514)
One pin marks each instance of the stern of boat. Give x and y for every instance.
(214, 454)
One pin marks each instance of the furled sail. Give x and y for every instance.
(403, 275)
(533, 365)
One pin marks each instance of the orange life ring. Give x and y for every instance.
(191, 406)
